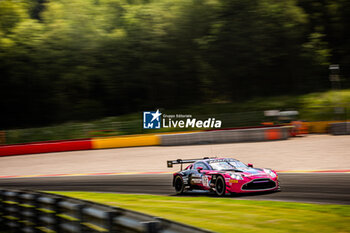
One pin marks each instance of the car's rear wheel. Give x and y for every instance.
(179, 185)
(220, 186)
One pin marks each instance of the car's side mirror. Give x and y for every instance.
(250, 165)
(199, 169)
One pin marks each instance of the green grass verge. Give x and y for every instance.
(312, 107)
(230, 215)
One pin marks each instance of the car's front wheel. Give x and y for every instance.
(220, 186)
(179, 185)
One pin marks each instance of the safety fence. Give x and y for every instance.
(171, 139)
(28, 211)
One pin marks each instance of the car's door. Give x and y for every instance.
(196, 176)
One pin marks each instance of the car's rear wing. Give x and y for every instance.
(170, 163)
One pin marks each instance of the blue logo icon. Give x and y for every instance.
(151, 120)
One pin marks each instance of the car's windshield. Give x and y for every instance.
(227, 165)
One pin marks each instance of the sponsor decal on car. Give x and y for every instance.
(185, 179)
(196, 181)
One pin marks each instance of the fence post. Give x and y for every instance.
(2, 210)
(81, 228)
(31, 214)
(151, 226)
(57, 210)
(36, 212)
(20, 209)
(109, 221)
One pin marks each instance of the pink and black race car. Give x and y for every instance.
(223, 176)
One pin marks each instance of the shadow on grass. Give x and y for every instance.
(201, 193)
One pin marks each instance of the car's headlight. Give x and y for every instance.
(270, 173)
(236, 176)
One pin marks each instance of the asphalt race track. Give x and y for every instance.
(331, 188)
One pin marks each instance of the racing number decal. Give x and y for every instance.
(205, 180)
(200, 179)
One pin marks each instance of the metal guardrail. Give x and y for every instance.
(28, 211)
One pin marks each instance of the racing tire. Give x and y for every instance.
(179, 185)
(220, 186)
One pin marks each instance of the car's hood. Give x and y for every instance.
(249, 172)
(253, 172)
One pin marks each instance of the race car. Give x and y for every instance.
(222, 176)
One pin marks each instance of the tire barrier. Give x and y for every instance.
(341, 128)
(226, 136)
(27, 211)
(126, 141)
(45, 147)
(273, 134)
(300, 128)
(320, 126)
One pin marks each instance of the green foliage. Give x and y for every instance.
(312, 107)
(86, 59)
(11, 14)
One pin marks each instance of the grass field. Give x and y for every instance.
(312, 107)
(230, 215)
